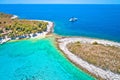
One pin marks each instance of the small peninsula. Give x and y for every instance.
(99, 57)
(12, 28)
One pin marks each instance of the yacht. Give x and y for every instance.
(73, 19)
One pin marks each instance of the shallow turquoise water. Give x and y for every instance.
(36, 60)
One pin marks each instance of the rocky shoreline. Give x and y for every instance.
(105, 74)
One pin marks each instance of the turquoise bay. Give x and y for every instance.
(37, 60)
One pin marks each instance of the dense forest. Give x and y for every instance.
(15, 27)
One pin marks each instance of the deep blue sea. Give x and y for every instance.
(97, 21)
(39, 59)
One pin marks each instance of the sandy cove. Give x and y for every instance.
(37, 35)
(105, 74)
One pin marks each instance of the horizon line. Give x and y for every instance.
(62, 3)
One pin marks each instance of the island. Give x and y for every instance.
(12, 28)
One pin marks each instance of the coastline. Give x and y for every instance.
(104, 74)
(37, 35)
(108, 75)
(14, 17)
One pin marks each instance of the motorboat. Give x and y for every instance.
(73, 19)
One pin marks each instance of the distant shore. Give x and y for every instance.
(36, 35)
(105, 74)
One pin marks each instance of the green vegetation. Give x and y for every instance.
(95, 43)
(15, 27)
(106, 57)
(3, 15)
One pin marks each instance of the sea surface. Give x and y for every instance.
(39, 59)
(96, 21)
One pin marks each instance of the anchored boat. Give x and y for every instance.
(73, 19)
